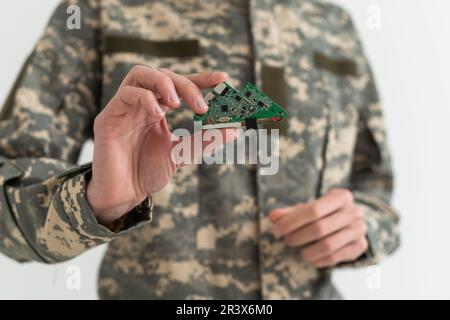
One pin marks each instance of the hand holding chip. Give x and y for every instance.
(132, 146)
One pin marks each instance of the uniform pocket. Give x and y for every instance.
(339, 77)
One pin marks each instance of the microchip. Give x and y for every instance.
(229, 107)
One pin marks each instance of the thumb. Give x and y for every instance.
(276, 215)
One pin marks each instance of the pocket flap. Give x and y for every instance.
(343, 67)
(169, 48)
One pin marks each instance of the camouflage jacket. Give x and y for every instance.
(306, 55)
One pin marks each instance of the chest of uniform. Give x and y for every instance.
(196, 36)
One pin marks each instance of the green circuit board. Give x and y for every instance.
(229, 107)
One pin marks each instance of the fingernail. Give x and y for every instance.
(201, 104)
(160, 111)
(276, 231)
(174, 97)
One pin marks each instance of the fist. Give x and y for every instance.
(328, 231)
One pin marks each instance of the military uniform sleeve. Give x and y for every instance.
(372, 175)
(48, 115)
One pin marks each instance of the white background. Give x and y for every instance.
(411, 58)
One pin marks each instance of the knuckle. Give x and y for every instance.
(98, 122)
(147, 97)
(361, 226)
(364, 228)
(164, 70)
(300, 207)
(346, 195)
(101, 125)
(319, 229)
(356, 251)
(274, 215)
(189, 86)
(164, 80)
(282, 226)
(136, 69)
(304, 254)
(122, 90)
(357, 211)
(290, 240)
(327, 245)
(363, 245)
(333, 259)
(314, 210)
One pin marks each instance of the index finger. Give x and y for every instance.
(156, 81)
(188, 87)
(208, 80)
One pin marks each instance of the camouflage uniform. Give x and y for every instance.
(209, 236)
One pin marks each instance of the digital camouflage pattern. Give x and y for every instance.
(209, 236)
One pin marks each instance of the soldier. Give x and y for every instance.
(202, 231)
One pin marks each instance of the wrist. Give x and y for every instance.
(105, 209)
